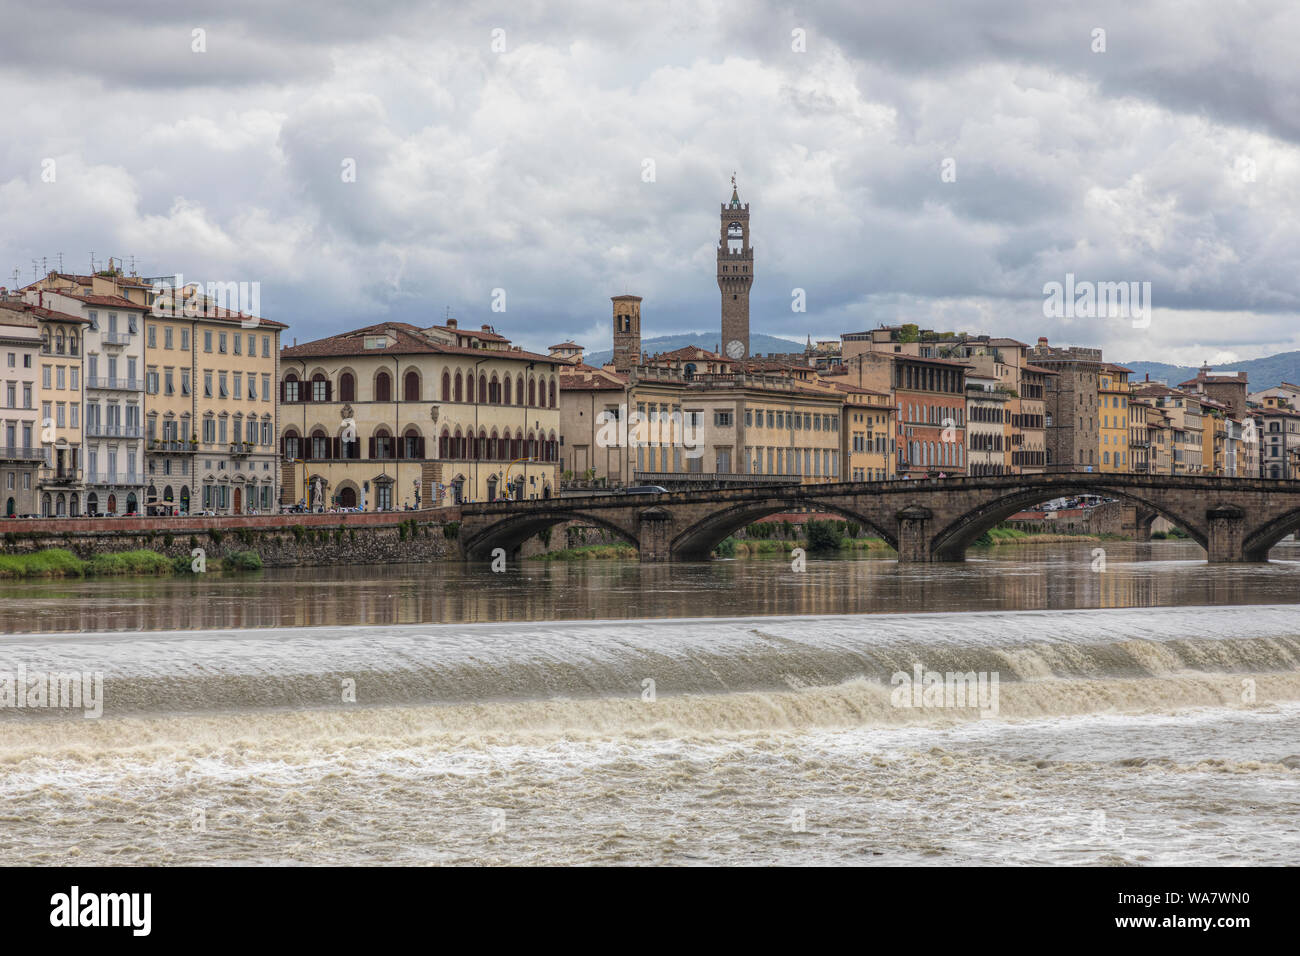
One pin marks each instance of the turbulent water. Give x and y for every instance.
(1124, 736)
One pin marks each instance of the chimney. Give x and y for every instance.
(1042, 341)
(487, 328)
(451, 323)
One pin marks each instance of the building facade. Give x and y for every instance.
(393, 416)
(21, 452)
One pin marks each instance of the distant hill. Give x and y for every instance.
(1261, 373)
(758, 343)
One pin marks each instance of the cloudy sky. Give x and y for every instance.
(569, 152)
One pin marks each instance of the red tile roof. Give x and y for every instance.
(408, 340)
(43, 313)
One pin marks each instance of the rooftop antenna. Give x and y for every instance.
(60, 262)
(133, 265)
(92, 261)
(35, 274)
(17, 276)
(45, 266)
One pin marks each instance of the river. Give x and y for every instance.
(1133, 712)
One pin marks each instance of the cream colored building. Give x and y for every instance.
(393, 416)
(693, 416)
(198, 431)
(21, 451)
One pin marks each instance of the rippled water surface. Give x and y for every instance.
(604, 712)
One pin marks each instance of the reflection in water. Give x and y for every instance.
(1011, 578)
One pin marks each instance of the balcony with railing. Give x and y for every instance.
(97, 430)
(173, 446)
(23, 453)
(113, 478)
(115, 384)
(115, 338)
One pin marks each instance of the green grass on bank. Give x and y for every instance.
(60, 563)
(588, 552)
(768, 546)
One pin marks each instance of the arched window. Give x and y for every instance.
(457, 445)
(291, 388)
(292, 450)
(552, 388)
(444, 442)
(320, 388)
(519, 390)
(72, 343)
(494, 390)
(320, 444)
(482, 389)
(411, 386)
(446, 386)
(413, 444)
(532, 392)
(45, 347)
(459, 386)
(382, 444)
(383, 387)
(507, 395)
(347, 388)
(60, 344)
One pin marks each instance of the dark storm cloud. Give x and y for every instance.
(524, 170)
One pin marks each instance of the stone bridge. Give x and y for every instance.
(1233, 519)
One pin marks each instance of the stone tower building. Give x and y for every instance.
(1073, 425)
(735, 275)
(627, 331)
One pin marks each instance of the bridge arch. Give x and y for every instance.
(1260, 541)
(950, 542)
(697, 542)
(514, 529)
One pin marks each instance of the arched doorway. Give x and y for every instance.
(131, 506)
(239, 500)
(458, 490)
(9, 508)
(112, 504)
(185, 498)
(92, 503)
(74, 505)
(347, 497)
(492, 488)
(61, 506)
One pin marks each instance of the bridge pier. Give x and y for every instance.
(1227, 537)
(914, 534)
(1136, 522)
(654, 537)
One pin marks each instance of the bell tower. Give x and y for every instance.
(627, 331)
(735, 275)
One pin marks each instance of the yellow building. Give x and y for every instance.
(208, 392)
(867, 433)
(393, 416)
(1113, 418)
